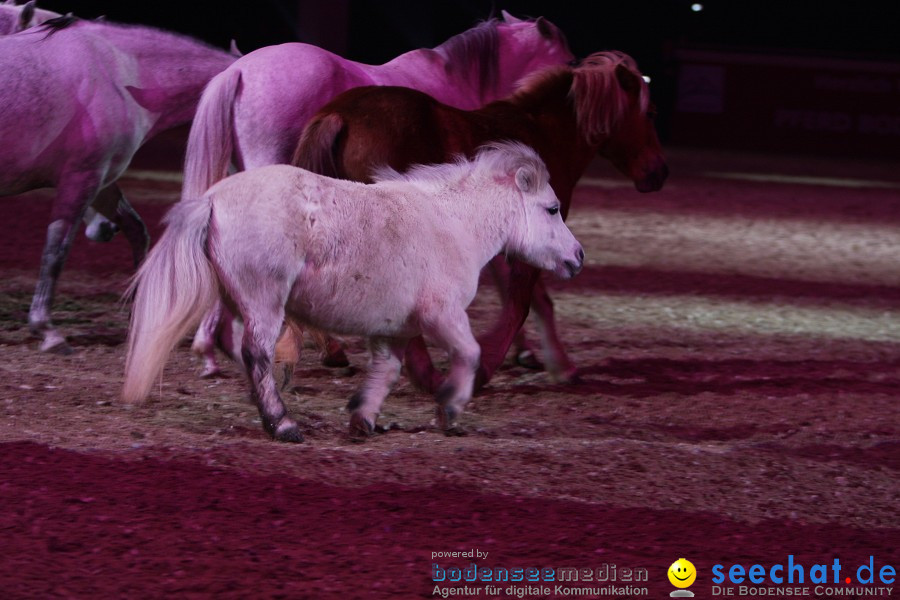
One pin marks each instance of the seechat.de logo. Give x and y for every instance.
(682, 574)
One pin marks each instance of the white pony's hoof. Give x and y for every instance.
(360, 427)
(288, 431)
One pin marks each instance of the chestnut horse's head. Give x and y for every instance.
(613, 108)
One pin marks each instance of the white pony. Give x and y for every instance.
(388, 261)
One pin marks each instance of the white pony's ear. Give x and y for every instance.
(526, 179)
(26, 15)
(233, 49)
(508, 18)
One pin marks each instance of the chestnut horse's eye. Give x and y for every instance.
(553, 210)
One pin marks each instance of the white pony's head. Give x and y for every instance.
(538, 235)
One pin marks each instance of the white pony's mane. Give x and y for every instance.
(497, 157)
(599, 100)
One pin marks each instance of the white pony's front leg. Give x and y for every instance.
(383, 372)
(453, 333)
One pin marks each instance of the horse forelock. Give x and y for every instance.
(599, 100)
(478, 45)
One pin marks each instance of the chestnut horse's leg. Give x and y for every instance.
(72, 198)
(133, 228)
(495, 344)
(111, 203)
(525, 356)
(556, 361)
(383, 372)
(287, 353)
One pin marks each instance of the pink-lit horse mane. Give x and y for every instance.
(480, 45)
(599, 98)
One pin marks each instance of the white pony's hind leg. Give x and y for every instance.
(454, 334)
(260, 301)
(383, 372)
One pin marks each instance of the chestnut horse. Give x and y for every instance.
(568, 114)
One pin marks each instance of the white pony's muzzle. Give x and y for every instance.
(571, 266)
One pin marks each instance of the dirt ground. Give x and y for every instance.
(738, 339)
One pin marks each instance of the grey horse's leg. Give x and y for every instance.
(72, 199)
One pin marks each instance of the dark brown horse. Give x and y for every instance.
(567, 114)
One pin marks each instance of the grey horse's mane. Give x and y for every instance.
(478, 43)
(496, 157)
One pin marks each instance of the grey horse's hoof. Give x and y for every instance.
(57, 346)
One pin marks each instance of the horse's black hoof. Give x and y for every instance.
(335, 360)
(446, 417)
(360, 428)
(527, 359)
(289, 432)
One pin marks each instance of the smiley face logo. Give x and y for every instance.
(682, 573)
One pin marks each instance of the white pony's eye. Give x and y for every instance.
(553, 210)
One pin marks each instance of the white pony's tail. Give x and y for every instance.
(211, 141)
(172, 290)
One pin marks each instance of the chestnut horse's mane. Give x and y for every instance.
(598, 97)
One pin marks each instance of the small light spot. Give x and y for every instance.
(646, 78)
(696, 7)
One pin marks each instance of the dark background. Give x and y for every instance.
(654, 32)
(377, 30)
